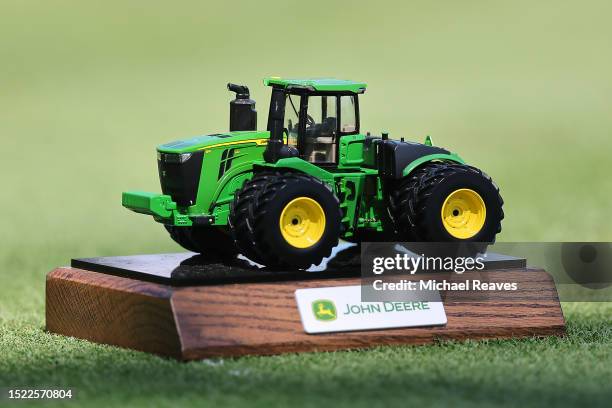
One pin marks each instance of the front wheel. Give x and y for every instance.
(285, 220)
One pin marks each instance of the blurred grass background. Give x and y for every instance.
(88, 89)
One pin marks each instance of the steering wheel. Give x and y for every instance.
(310, 120)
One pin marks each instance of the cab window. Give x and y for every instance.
(321, 130)
(348, 119)
(291, 126)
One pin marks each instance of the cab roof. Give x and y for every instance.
(318, 84)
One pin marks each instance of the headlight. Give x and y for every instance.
(184, 157)
(173, 158)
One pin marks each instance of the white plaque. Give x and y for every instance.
(339, 309)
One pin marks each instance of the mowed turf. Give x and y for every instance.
(520, 89)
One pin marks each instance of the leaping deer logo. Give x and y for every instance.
(324, 310)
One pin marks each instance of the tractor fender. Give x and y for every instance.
(430, 157)
(233, 179)
(229, 183)
(397, 158)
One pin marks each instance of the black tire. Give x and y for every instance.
(415, 205)
(239, 210)
(208, 241)
(256, 211)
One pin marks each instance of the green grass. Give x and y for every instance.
(572, 371)
(521, 89)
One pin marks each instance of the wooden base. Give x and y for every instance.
(194, 322)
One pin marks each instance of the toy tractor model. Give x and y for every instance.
(283, 197)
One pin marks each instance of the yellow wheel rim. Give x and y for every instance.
(463, 213)
(302, 222)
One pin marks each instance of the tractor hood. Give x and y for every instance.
(214, 140)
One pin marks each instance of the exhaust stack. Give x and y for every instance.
(243, 115)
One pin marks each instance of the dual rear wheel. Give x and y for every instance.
(446, 202)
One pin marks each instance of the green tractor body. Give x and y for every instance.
(310, 179)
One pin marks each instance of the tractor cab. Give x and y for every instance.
(308, 117)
